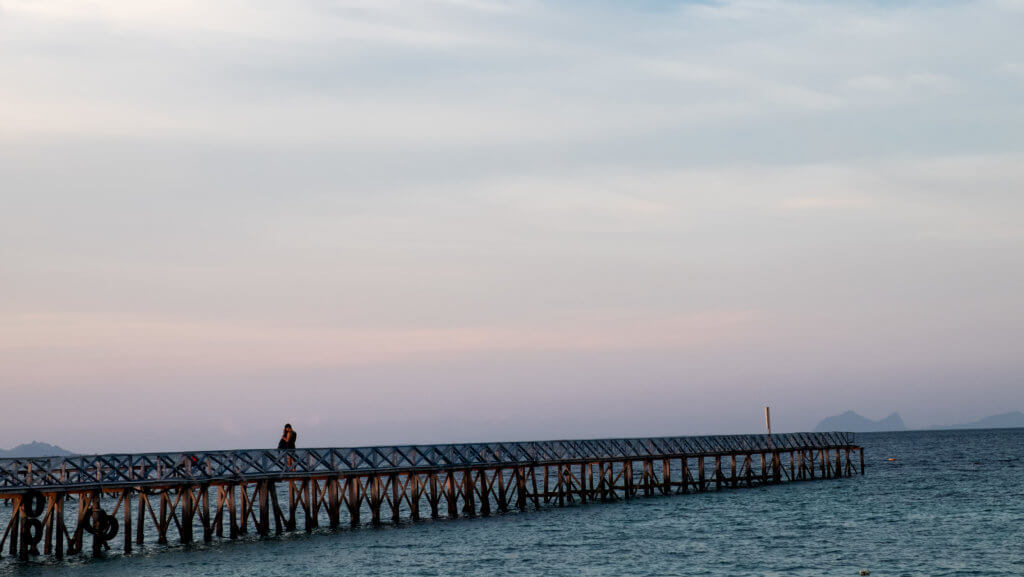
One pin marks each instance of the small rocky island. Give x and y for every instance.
(855, 423)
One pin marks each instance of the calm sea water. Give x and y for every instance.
(952, 503)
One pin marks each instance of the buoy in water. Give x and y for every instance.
(891, 459)
(865, 571)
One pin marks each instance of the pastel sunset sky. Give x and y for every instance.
(458, 220)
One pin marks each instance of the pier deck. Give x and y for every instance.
(224, 494)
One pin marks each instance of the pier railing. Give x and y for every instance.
(117, 470)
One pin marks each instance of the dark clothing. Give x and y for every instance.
(287, 441)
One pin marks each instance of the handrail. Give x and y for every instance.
(121, 470)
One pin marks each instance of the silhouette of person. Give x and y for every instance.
(288, 437)
(287, 443)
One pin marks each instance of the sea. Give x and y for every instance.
(933, 503)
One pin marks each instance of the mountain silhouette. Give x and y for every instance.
(35, 449)
(1009, 420)
(855, 423)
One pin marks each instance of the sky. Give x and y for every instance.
(474, 220)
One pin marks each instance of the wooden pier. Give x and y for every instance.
(116, 502)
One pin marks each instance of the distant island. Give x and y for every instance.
(855, 423)
(1009, 420)
(35, 449)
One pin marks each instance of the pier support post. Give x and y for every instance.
(354, 500)
(415, 494)
(375, 500)
(333, 503)
(163, 521)
(126, 503)
(187, 510)
(58, 511)
(308, 510)
(435, 497)
(502, 494)
(396, 500)
(520, 488)
(232, 518)
(97, 539)
(16, 528)
(485, 492)
(450, 496)
(264, 490)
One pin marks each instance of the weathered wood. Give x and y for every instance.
(354, 500)
(289, 522)
(533, 482)
(627, 474)
(468, 494)
(61, 528)
(263, 528)
(484, 491)
(415, 495)
(502, 495)
(126, 503)
(309, 510)
(140, 518)
(395, 503)
(229, 494)
(16, 528)
(435, 497)
(521, 488)
(97, 541)
(333, 503)
(450, 495)
(187, 513)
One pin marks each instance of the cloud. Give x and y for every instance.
(118, 346)
(823, 202)
(916, 85)
(475, 76)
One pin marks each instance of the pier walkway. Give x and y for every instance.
(57, 501)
